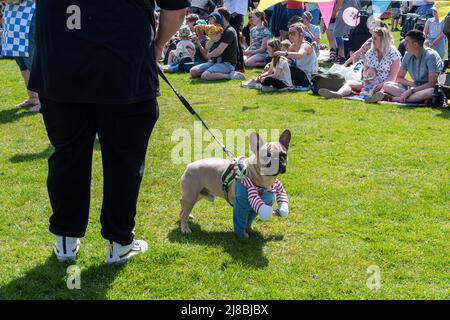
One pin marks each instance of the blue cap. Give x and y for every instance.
(200, 22)
(216, 17)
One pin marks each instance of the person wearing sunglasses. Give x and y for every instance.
(303, 58)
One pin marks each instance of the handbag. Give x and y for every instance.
(330, 81)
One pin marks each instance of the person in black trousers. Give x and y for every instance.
(96, 72)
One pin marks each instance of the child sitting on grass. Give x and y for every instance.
(184, 51)
(278, 77)
(214, 33)
(370, 81)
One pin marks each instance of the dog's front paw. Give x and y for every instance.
(185, 229)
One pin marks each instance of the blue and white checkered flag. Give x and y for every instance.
(16, 22)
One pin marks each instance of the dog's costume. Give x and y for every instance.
(251, 199)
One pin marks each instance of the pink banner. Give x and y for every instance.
(326, 8)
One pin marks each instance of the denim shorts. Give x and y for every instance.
(224, 67)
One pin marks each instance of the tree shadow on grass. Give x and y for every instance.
(246, 251)
(12, 115)
(49, 281)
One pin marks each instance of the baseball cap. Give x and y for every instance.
(216, 17)
(184, 31)
(200, 22)
(308, 15)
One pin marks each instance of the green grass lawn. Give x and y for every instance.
(368, 185)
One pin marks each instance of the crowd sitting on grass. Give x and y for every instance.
(285, 42)
(290, 60)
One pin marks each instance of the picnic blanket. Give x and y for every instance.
(410, 104)
(17, 22)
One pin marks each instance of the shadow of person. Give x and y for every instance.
(11, 115)
(247, 251)
(49, 281)
(201, 81)
(445, 113)
(45, 154)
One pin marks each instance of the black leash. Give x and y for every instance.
(188, 106)
(149, 5)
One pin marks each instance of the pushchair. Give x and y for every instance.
(441, 94)
(412, 21)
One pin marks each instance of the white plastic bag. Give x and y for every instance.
(353, 72)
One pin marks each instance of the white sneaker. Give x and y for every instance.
(116, 253)
(328, 94)
(66, 248)
(236, 75)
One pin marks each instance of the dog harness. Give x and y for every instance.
(235, 171)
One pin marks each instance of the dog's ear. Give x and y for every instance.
(256, 142)
(285, 138)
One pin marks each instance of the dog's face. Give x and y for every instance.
(271, 158)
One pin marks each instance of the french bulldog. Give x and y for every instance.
(203, 178)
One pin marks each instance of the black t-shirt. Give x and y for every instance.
(231, 52)
(96, 51)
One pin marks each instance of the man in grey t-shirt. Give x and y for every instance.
(422, 64)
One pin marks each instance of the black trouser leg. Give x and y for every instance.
(237, 22)
(71, 130)
(299, 77)
(124, 132)
(274, 82)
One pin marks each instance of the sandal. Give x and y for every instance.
(35, 109)
(27, 104)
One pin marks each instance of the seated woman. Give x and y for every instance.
(383, 57)
(255, 55)
(303, 58)
(312, 32)
(361, 52)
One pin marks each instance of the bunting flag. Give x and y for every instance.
(379, 7)
(326, 8)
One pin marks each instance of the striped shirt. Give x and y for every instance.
(253, 193)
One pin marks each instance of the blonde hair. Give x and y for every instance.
(210, 29)
(386, 40)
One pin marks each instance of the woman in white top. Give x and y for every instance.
(278, 77)
(383, 57)
(302, 55)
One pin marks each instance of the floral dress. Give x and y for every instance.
(383, 66)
